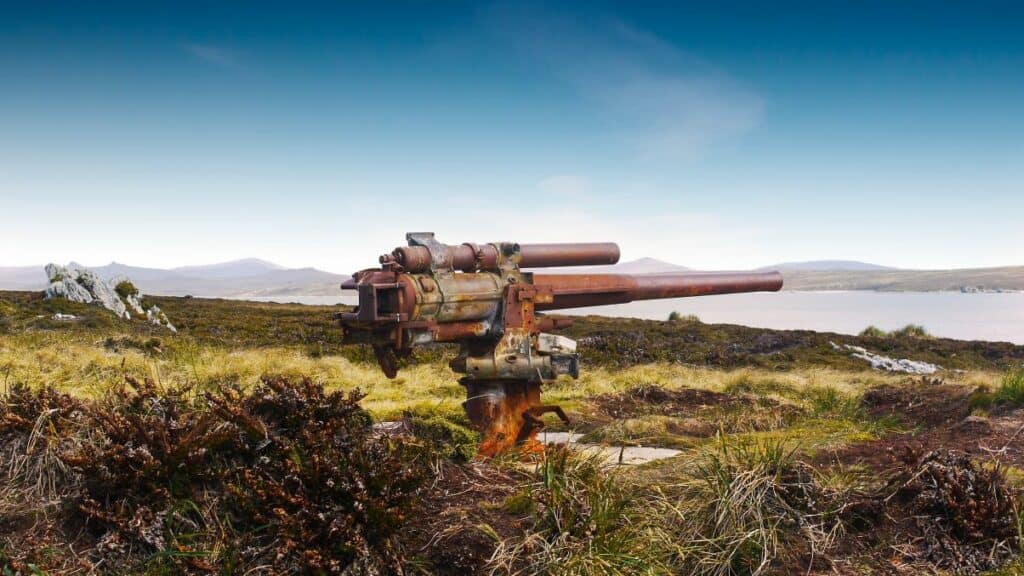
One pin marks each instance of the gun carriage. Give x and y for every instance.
(481, 297)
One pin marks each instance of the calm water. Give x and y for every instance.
(949, 314)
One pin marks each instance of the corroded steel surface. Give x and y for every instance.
(578, 290)
(506, 413)
(477, 296)
(472, 257)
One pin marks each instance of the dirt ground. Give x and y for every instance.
(939, 416)
(446, 532)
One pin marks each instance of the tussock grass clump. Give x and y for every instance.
(873, 332)
(913, 331)
(675, 316)
(34, 429)
(745, 505)
(447, 437)
(1009, 393)
(586, 521)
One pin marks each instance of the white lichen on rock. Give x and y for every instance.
(156, 316)
(880, 362)
(134, 302)
(79, 284)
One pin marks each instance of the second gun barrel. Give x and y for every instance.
(579, 290)
(470, 257)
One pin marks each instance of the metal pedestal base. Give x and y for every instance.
(507, 413)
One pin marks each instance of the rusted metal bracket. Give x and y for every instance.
(439, 258)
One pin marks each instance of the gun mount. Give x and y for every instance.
(480, 297)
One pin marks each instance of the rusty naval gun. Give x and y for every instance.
(481, 297)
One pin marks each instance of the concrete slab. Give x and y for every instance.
(620, 455)
(614, 455)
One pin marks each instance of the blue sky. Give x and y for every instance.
(715, 135)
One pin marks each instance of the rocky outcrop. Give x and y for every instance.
(156, 316)
(134, 302)
(880, 362)
(79, 284)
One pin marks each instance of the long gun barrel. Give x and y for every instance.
(579, 290)
(480, 297)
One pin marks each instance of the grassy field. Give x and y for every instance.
(796, 457)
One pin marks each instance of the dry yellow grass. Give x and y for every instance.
(89, 367)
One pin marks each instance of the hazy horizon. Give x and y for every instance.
(823, 262)
(717, 136)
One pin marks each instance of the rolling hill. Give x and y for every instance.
(1007, 278)
(822, 265)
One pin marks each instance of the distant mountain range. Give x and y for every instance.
(854, 275)
(254, 278)
(823, 265)
(235, 279)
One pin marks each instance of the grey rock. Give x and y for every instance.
(157, 317)
(975, 424)
(79, 284)
(102, 292)
(879, 362)
(63, 284)
(134, 302)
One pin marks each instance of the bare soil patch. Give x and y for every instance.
(453, 527)
(940, 416)
(649, 399)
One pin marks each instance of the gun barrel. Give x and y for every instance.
(581, 254)
(579, 290)
(470, 257)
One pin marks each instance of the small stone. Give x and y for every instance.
(975, 424)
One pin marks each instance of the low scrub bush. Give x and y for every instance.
(125, 289)
(1011, 391)
(171, 480)
(961, 515)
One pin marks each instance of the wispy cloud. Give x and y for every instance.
(664, 100)
(215, 55)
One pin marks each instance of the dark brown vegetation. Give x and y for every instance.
(160, 480)
(287, 477)
(626, 342)
(611, 342)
